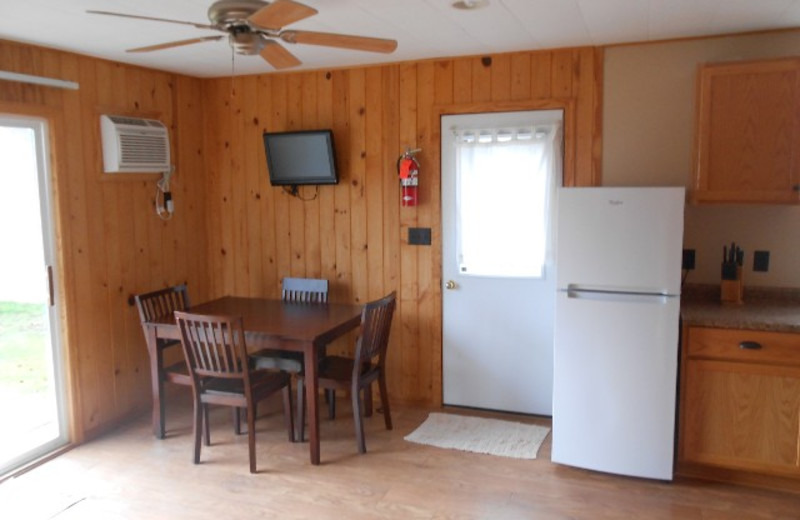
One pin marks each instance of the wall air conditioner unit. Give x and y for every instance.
(131, 144)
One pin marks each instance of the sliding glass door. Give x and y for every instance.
(31, 382)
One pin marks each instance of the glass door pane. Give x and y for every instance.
(29, 365)
(502, 203)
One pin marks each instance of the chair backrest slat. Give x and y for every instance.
(214, 346)
(373, 337)
(157, 304)
(304, 290)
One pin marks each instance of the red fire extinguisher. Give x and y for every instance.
(408, 170)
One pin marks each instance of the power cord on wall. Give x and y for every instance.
(164, 205)
(294, 192)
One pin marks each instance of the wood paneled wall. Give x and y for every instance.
(234, 234)
(111, 242)
(355, 233)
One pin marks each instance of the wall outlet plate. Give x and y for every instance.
(761, 261)
(419, 236)
(688, 259)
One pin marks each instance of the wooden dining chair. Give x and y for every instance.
(359, 372)
(220, 371)
(304, 290)
(299, 290)
(153, 306)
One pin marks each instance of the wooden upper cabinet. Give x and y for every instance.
(748, 133)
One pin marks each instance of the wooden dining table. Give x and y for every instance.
(268, 323)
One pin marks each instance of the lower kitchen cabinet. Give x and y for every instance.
(740, 402)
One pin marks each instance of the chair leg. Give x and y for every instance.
(237, 420)
(251, 436)
(358, 419)
(368, 401)
(300, 422)
(206, 427)
(387, 415)
(198, 428)
(287, 410)
(330, 396)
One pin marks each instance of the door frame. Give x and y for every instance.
(569, 178)
(60, 312)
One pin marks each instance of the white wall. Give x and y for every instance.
(648, 134)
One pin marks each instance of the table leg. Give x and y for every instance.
(312, 408)
(156, 383)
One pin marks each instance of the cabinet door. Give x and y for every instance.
(748, 131)
(742, 416)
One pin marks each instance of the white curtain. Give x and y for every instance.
(506, 180)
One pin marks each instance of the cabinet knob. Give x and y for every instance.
(796, 187)
(750, 345)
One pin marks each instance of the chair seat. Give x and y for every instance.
(291, 362)
(262, 382)
(178, 373)
(339, 368)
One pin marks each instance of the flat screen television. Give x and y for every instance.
(304, 157)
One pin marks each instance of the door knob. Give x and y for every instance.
(450, 285)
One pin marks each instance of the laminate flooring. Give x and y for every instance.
(128, 474)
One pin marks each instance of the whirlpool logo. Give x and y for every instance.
(614, 202)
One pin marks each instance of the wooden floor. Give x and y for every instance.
(130, 475)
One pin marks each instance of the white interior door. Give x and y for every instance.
(497, 264)
(31, 386)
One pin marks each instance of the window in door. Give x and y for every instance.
(505, 182)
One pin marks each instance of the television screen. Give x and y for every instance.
(296, 158)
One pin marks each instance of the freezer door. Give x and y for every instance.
(620, 238)
(615, 373)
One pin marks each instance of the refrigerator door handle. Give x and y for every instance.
(651, 291)
(618, 296)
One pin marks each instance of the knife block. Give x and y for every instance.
(732, 291)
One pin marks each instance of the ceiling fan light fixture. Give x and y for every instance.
(469, 5)
(246, 42)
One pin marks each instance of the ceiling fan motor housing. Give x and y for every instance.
(228, 13)
(231, 16)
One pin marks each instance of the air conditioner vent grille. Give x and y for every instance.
(128, 121)
(134, 145)
(144, 149)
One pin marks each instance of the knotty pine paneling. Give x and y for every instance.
(110, 242)
(235, 234)
(355, 233)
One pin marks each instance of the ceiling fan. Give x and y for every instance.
(254, 26)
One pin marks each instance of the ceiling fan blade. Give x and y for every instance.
(174, 44)
(276, 55)
(198, 25)
(281, 13)
(344, 41)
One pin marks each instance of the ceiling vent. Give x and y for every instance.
(132, 144)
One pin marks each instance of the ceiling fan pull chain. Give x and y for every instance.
(233, 58)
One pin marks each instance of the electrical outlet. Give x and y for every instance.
(761, 261)
(688, 259)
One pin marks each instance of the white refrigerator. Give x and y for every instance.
(618, 277)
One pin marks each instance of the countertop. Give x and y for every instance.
(769, 309)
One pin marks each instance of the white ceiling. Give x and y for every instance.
(423, 28)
